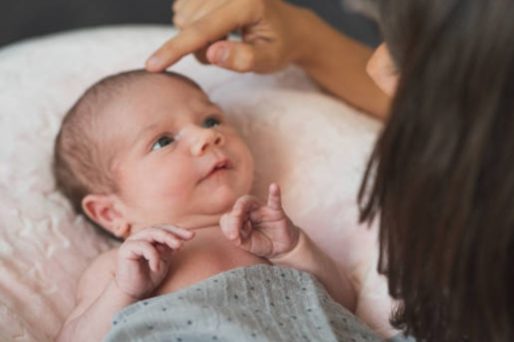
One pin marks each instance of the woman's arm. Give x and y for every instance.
(338, 63)
(275, 34)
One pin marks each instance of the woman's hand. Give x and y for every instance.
(274, 34)
(263, 230)
(271, 34)
(143, 259)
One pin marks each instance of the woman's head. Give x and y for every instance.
(441, 177)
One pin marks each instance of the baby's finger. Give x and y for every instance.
(162, 249)
(230, 226)
(136, 249)
(246, 229)
(151, 254)
(159, 235)
(243, 205)
(180, 232)
(274, 197)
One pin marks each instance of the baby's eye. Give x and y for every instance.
(211, 122)
(162, 142)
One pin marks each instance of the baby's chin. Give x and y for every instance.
(200, 214)
(208, 217)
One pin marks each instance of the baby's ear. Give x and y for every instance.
(103, 209)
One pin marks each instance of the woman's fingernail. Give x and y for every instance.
(221, 55)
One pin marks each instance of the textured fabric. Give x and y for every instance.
(257, 303)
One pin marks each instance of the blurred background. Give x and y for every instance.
(21, 19)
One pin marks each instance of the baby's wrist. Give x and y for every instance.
(122, 294)
(299, 241)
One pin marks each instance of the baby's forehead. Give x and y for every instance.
(159, 88)
(170, 82)
(150, 98)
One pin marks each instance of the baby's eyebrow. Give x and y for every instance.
(209, 103)
(144, 131)
(213, 105)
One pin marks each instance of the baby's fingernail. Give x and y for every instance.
(153, 63)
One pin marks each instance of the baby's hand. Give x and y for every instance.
(263, 230)
(143, 259)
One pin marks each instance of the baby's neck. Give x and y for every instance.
(197, 222)
(193, 222)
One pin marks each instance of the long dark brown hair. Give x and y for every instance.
(441, 177)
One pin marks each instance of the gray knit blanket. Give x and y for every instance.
(257, 303)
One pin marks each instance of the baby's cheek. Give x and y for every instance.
(165, 197)
(174, 183)
(160, 181)
(248, 171)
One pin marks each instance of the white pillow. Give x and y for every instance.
(315, 146)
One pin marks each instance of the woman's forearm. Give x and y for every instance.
(338, 64)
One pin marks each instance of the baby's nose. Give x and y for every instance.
(205, 138)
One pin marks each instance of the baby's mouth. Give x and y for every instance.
(221, 165)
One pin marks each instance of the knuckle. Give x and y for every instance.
(144, 244)
(175, 5)
(178, 21)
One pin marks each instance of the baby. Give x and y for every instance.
(150, 159)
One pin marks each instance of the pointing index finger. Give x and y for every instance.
(206, 29)
(274, 197)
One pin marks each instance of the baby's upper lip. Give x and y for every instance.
(222, 162)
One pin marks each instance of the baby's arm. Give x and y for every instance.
(266, 231)
(98, 299)
(118, 278)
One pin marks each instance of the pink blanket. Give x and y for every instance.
(315, 146)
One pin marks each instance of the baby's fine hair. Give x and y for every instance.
(81, 166)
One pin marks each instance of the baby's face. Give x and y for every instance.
(177, 160)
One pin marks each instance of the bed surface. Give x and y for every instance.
(311, 144)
